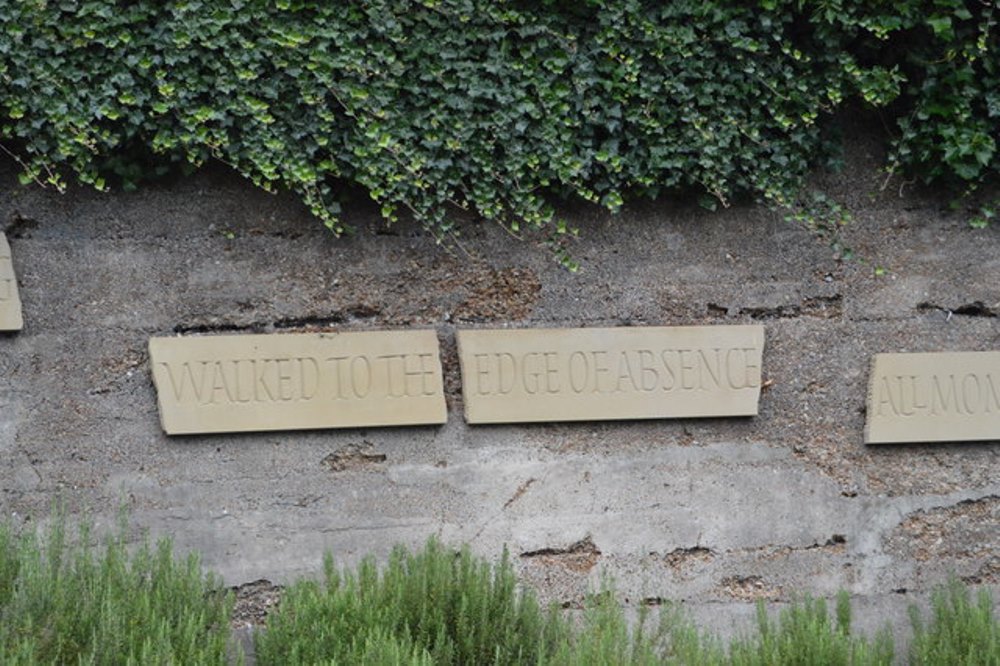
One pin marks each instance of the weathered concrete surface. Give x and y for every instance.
(715, 513)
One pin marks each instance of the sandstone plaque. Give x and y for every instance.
(10, 303)
(938, 397)
(531, 375)
(297, 381)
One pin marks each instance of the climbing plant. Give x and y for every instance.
(494, 106)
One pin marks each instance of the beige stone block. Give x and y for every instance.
(592, 374)
(936, 397)
(233, 383)
(10, 302)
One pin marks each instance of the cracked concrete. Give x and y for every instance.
(712, 513)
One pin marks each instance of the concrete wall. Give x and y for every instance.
(716, 513)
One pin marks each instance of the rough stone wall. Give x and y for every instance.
(716, 513)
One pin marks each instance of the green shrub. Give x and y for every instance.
(961, 631)
(604, 636)
(69, 603)
(804, 634)
(438, 604)
(492, 105)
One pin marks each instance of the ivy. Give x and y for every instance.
(494, 106)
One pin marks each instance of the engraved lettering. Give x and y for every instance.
(624, 373)
(390, 375)
(240, 381)
(308, 393)
(707, 365)
(220, 383)
(260, 380)
(197, 385)
(992, 392)
(579, 369)
(422, 373)
(914, 386)
(731, 372)
(237, 380)
(10, 307)
(885, 398)
(503, 388)
(482, 373)
(902, 398)
(914, 404)
(669, 369)
(529, 378)
(752, 378)
(338, 366)
(284, 375)
(971, 403)
(649, 377)
(648, 372)
(270, 382)
(551, 372)
(941, 401)
(685, 367)
(600, 367)
(361, 376)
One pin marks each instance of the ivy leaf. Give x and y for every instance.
(941, 25)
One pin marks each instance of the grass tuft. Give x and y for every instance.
(439, 606)
(65, 602)
(962, 630)
(804, 634)
(448, 607)
(68, 601)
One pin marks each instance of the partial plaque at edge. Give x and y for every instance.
(239, 383)
(533, 375)
(10, 302)
(933, 397)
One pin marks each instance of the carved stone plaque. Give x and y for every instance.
(297, 381)
(511, 376)
(939, 397)
(10, 302)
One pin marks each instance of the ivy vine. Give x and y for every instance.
(494, 105)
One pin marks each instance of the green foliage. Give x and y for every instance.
(64, 601)
(962, 630)
(68, 603)
(490, 106)
(943, 59)
(437, 605)
(804, 634)
(985, 214)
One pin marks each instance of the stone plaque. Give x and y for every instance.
(10, 303)
(939, 397)
(593, 374)
(296, 381)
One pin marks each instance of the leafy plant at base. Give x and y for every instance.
(70, 602)
(65, 602)
(803, 634)
(437, 605)
(962, 629)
